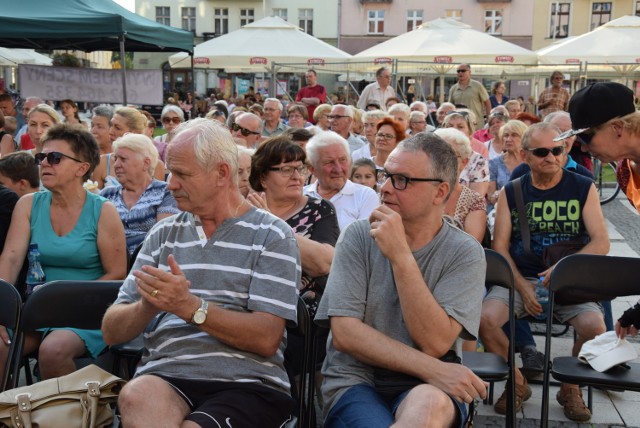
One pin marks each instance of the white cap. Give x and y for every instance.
(607, 350)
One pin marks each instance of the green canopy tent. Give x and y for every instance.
(87, 25)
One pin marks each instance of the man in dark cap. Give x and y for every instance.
(606, 123)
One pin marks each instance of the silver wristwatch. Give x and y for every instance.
(200, 315)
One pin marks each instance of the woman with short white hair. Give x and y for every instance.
(140, 199)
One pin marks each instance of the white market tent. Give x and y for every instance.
(255, 47)
(14, 57)
(614, 45)
(437, 46)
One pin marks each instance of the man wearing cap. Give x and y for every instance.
(555, 97)
(607, 125)
(559, 206)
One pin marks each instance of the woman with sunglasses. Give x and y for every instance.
(475, 174)
(501, 167)
(79, 237)
(171, 117)
(278, 171)
(124, 120)
(495, 145)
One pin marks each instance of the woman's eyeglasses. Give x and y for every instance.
(287, 171)
(400, 182)
(53, 158)
(543, 152)
(243, 131)
(385, 136)
(168, 120)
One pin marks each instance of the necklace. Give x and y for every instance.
(235, 214)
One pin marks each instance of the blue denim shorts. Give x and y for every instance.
(362, 406)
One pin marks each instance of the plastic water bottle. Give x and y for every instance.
(542, 296)
(35, 274)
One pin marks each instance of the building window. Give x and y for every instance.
(246, 17)
(305, 18)
(282, 13)
(221, 21)
(638, 8)
(453, 13)
(189, 19)
(414, 19)
(163, 15)
(600, 14)
(493, 22)
(376, 22)
(559, 24)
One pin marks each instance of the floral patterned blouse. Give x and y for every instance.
(476, 171)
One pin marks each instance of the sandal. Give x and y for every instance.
(523, 393)
(574, 407)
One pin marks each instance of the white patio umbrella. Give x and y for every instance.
(256, 46)
(443, 43)
(15, 57)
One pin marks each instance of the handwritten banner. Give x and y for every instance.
(90, 84)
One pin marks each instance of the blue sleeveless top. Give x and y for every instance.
(73, 256)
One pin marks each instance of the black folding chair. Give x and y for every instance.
(488, 366)
(590, 275)
(10, 309)
(77, 304)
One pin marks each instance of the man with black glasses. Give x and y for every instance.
(558, 206)
(404, 288)
(470, 93)
(247, 127)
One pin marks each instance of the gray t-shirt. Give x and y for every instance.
(361, 286)
(251, 263)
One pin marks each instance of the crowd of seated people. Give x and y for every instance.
(281, 199)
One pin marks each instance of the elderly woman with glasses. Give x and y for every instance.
(390, 133)
(501, 167)
(141, 200)
(79, 237)
(124, 120)
(278, 172)
(476, 173)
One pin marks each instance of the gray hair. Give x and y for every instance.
(442, 158)
(417, 114)
(374, 114)
(103, 111)
(422, 105)
(446, 105)
(212, 145)
(242, 150)
(348, 110)
(401, 108)
(252, 116)
(535, 128)
(456, 138)
(274, 100)
(141, 145)
(173, 108)
(551, 117)
(320, 141)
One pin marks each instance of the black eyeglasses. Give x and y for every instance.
(287, 171)
(53, 158)
(586, 136)
(542, 152)
(385, 136)
(243, 131)
(460, 70)
(400, 182)
(336, 116)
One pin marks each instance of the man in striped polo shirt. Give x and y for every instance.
(222, 275)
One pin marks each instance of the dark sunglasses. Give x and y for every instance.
(243, 131)
(542, 152)
(585, 137)
(53, 158)
(168, 120)
(460, 70)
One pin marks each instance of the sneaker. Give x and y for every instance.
(532, 362)
(523, 393)
(574, 407)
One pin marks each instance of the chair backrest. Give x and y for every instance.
(10, 310)
(603, 277)
(498, 270)
(78, 304)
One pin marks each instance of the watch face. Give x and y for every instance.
(199, 317)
